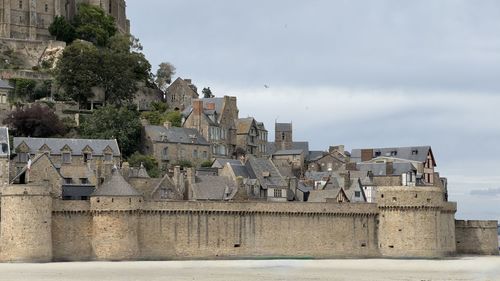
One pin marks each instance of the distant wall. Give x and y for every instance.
(477, 237)
(210, 230)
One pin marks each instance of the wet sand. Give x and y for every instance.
(469, 268)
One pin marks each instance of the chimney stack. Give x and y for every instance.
(197, 107)
(167, 124)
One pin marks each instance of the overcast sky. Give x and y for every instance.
(359, 73)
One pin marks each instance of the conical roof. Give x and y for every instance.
(143, 174)
(116, 186)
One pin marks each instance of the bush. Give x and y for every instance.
(149, 162)
(36, 121)
(207, 164)
(184, 164)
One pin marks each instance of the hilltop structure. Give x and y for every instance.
(30, 20)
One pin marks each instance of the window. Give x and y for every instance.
(84, 181)
(109, 10)
(357, 194)
(414, 152)
(205, 155)
(87, 157)
(394, 153)
(278, 193)
(195, 153)
(108, 157)
(66, 157)
(378, 153)
(20, 4)
(46, 8)
(23, 157)
(283, 136)
(68, 181)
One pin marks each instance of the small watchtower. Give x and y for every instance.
(115, 206)
(283, 136)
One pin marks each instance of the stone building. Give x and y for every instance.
(180, 94)
(333, 160)
(251, 136)
(4, 156)
(421, 156)
(170, 145)
(5, 89)
(215, 119)
(81, 162)
(30, 19)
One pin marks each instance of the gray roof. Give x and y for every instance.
(76, 145)
(380, 169)
(213, 188)
(283, 127)
(320, 196)
(5, 85)
(116, 186)
(221, 162)
(289, 152)
(240, 171)
(413, 153)
(175, 135)
(296, 145)
(140, 173)
(316, 154)
(257, 167)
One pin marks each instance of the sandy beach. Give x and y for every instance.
(468, 268)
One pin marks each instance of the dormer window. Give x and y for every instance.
(5, 148)
(87, 157)
(108, 157)
(378, 153)
(66, 158)
(394, 153)
(414, 152)
(23, 157)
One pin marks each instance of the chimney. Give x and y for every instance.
(197, 107)
(167, 124)
(191, 177)
(177, 175)
(366, 155)
(125, 169)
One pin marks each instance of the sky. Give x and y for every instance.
(377, 73)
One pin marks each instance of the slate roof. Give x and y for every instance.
(316, 155)
(5, 85)
(380, 169)
(258, 166)
(413, 153)
(240, 170)
(221, 162)
(289, 152)
(213, 188)
(243, 125)
(116, 186)
(283, 127)
(296, 145)
(139, 173)
(76, 145)
(175, 135)
(320, 196)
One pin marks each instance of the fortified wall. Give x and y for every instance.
(407, 222)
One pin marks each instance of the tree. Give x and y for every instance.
(175, 118)
(110, 122)
(62, 30)
(77, 71)
(164, 75)
(35, 121)
(207, 93)
(94, 25)
(149, 162)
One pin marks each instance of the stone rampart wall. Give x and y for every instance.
(477, 237)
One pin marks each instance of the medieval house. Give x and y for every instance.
(215, 119)
(251, 137)
(79, 161)
(170, 145)
(180, 94)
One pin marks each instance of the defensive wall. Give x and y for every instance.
(477, 237)
(37, 228)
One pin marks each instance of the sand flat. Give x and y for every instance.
(469, 268)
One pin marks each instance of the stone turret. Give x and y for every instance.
(410, 222)
(26, 228)
(115, 206)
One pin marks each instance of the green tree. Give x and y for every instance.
(149, 162)
(164, 75)
(94, 25)
(110, 122)
(77, 71)
(175, 118)
(62, 30)
(207, 93)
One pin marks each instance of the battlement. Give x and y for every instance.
(476, 224)
(26, 190)
(409, 197)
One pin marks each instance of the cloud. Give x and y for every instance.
(486, 192)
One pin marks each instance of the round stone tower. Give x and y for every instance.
(26, 228)
(115, 206)
(410, 221)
